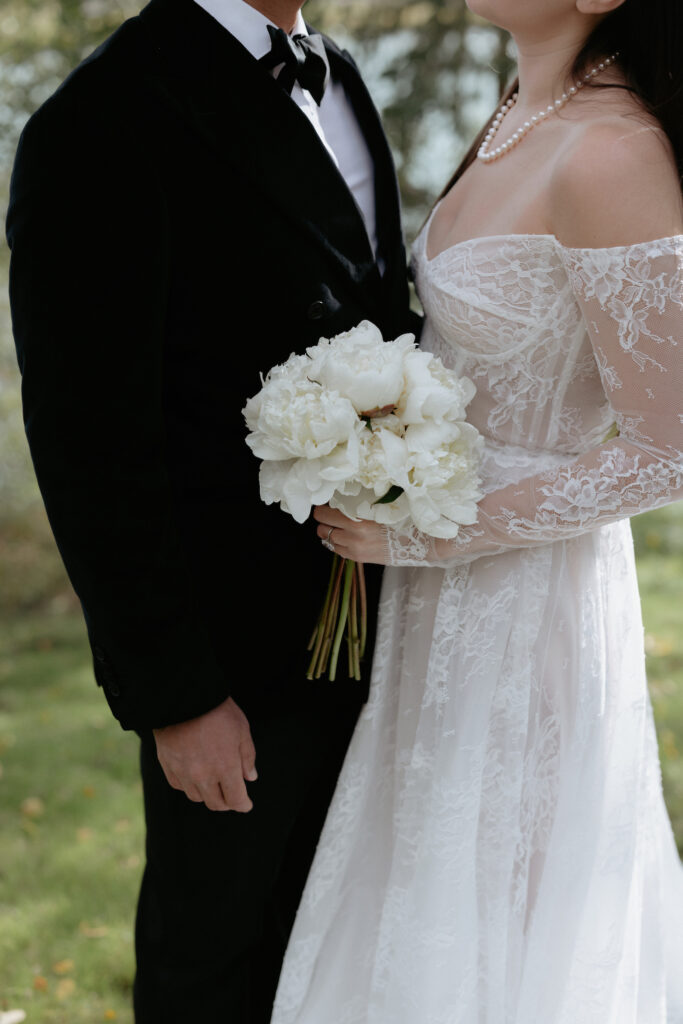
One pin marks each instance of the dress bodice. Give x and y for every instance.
(506, 311)
(563, 345)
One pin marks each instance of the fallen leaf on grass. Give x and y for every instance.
(63, 966)
(658, 646)
(40, 983)
(96, 931)
(65, 988)
(33, 807)
(83, 834)
(89, 791)
(108, 1015)
(669, 746)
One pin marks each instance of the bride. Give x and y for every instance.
(498, 850)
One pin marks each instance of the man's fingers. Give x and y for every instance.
(248, 756)
(212, 795)
(192, 793)
(172, 779)
(235, 793)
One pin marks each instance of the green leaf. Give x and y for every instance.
(392, 494)
(612, 432)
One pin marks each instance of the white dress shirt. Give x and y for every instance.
(334, 121)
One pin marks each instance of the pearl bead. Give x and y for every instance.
(487, 155)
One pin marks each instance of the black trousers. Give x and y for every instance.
(220, 890)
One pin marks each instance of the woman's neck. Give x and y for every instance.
(544, 61)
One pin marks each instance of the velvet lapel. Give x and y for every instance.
(247, 118)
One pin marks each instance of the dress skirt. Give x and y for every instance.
(498, 850)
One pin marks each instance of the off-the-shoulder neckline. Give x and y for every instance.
(676, 240)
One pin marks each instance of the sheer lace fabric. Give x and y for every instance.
(498, 850)
(619, 339)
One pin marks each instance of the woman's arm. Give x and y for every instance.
(631, 297)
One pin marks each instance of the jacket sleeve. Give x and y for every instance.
(632, 303)
(89, 235)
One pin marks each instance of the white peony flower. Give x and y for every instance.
(443, 481)
(383, 465)
(362, 367)
(298, 484)
(432, 391)
(292, 418)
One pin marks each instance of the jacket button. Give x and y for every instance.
(316, 310)
(114, 689)
(99, 653)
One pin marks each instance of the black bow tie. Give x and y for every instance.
(304, 59)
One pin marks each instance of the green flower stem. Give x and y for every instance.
(343, 615)
(345, 603)
(318, 636)
(349, 627)
(323, 610)
(354, 646)
(330, 619)
(363, 607)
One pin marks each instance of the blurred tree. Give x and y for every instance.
(435, 71)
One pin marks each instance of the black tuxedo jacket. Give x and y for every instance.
(176, 227)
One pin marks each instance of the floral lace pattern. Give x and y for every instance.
(498, 850)
(629, 304)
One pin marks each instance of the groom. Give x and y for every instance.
(208, 192)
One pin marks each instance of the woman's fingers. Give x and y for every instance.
(361, 541)
(332, 516)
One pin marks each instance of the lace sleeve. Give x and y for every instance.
(632, 303)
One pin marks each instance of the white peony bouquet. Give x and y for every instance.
(376, 429)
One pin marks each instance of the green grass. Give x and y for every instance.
(70, 830)
(659, 547)
(71, 834)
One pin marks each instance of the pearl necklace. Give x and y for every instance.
(487, 156)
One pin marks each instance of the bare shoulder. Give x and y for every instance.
(615, 182)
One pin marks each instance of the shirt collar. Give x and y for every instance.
(246, 24)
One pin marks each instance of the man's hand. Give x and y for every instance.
(209, 757)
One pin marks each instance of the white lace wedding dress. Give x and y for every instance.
(498, 850)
